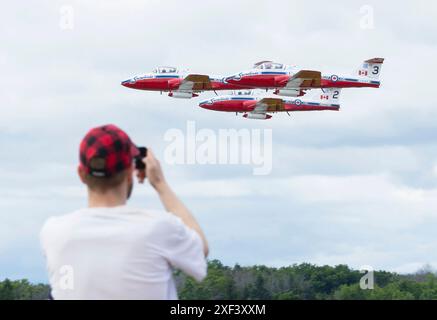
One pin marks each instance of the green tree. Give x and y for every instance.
(7, 290)
(288, 295)
(303, 281)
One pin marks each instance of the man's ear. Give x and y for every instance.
(81, 173)
(130, 172)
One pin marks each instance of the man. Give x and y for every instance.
(111, 251)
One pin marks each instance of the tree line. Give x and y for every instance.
(298, 281)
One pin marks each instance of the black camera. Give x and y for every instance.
(139, 163)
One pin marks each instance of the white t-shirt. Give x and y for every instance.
(119, 253)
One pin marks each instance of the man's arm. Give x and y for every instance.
(169, 199)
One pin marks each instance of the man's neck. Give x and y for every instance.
(108, 199)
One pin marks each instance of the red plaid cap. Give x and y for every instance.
(106, 150)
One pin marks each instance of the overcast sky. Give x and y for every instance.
(356, 187)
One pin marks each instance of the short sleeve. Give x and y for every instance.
(184, 249)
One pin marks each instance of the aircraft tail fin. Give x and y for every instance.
(330, 95)
(370, 68)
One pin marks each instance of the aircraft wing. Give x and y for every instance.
(269, 105)
(304, 79)
(195, 82)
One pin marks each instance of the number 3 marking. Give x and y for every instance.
(375, 70)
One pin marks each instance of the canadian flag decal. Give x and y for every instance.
(362, 72)
(324, 96)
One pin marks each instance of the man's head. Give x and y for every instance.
(106, 161)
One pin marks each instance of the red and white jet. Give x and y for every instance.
(178, 84)
(286, 80)
(292, 81)
(259, 107)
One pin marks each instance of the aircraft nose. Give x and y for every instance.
(128, 83)
(206, 103)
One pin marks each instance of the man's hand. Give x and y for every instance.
(153, 171)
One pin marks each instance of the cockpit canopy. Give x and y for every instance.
(241, 93)
(268, 65)
(165, 70)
